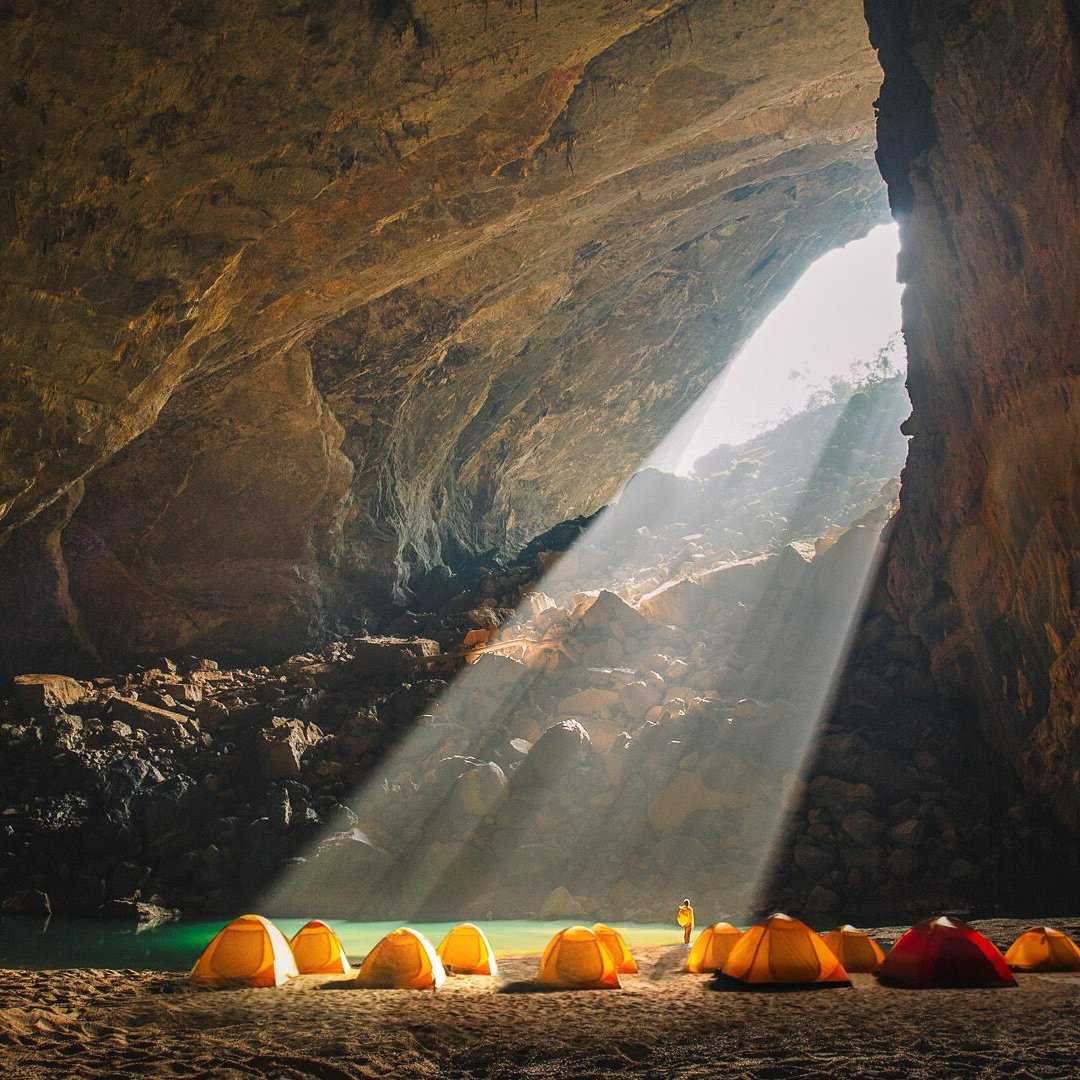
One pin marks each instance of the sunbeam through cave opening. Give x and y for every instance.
(504, 500)
(655, 695)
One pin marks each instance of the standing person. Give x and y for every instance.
(685, 918)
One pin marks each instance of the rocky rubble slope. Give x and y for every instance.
(300, 295)
(505, 754)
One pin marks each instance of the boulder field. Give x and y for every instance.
(515, 753)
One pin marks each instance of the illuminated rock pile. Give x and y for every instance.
(597, 757)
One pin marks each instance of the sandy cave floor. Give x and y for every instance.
(94, 1023)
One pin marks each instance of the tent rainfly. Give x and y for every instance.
(318, 950)
(712, 948)
(783, 951)
(854, 949)
(403, 960)
(615, 943)
(575, 959)
(466, 951)
(1043, 949)
(945, 952)
(251, 950)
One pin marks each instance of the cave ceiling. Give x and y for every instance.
(298, 295)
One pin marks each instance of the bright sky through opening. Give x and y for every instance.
(841, 311)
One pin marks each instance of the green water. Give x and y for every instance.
(85, 943)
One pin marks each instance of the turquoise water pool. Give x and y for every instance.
(86, 943)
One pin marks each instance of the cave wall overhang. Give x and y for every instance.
(298, 299)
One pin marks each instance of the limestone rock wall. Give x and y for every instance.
(980, 145)
(485, 255)
(217, 528)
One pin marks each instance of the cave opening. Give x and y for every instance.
(836, 332)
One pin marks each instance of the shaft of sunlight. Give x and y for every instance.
(449, 830)
(841, 311)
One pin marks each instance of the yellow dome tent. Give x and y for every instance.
(576, 960)
(250, 950)
(615, 943)
(403, 960)
(318, 950)
(854, 949)
(781, 950)
(1043, 949)
(466, 951)
(712, 947)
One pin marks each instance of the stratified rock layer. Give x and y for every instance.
(309, 292)
(980, 145)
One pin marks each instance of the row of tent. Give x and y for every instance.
(779, 951)
(937, 952)
(252, 951)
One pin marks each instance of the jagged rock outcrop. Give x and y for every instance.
(306, 295)
(980, 144)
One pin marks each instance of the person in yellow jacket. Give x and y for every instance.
(685, 918)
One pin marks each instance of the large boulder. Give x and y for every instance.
(610, 614)
(862, 827)
(592, 702)
(562, 904)
(561, 747)
(390, 657)
(281, 747)
(346, 876)
(675, 603)
(138, 913)
(814, 860)
(839, 794)
(478, 788)
(172, 815)
(169, 725)
(743, 581)
(685, 794)
(637, 697)
(38, 693)
(491, 688)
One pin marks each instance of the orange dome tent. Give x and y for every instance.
(318, 950)
(712, 947)
(854, 949)
(1043, 949)
(574, 959)
(615, 943)
(783, 951)
(945, 952)
(466, 951)
(250, 950)
(403, 960)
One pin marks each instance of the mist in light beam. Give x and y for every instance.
(454, 846)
